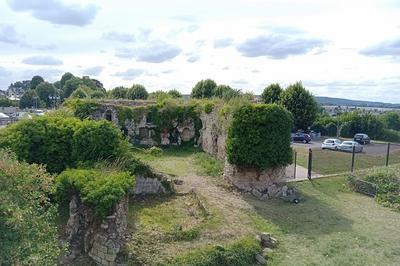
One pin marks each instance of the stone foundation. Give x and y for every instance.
(87, 234)
(145, 186)
(262, 184)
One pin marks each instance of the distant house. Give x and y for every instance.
(4, 119)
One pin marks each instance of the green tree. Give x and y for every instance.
(119, 92)
(226, 92)
(45, 90)
(79, 93)
(27, 218)
(70, 86)
(391, 120)
(247, 144)
(29, 99)
(175, 93)
(272, 94)
(301, 103)
(204, 89)
(36, 80)
(136, 92)
(67, 76)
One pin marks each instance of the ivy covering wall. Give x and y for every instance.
(259, 136)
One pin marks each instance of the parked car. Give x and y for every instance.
(348, 146)
(331, 144)
(301, 137)
(362, 138)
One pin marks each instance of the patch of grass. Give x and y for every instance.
(208, 165)
(332, 226)
(181, 161)
(240, 252)
(332, 162)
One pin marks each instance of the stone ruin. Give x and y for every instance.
(100, 239)
(212, 136)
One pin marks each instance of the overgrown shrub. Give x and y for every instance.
(259, 137)
(208, 107)
(240, 252)
(388, 182)
(82, 108)
(95, 141)
(390, 135)
(28, 234)
(60, 142)
(98, 189)
(331, 129)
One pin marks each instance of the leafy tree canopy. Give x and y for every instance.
(272, 94)
(301, 103)
(36, 80)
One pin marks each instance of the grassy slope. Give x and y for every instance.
(331, 162)
(332, 226)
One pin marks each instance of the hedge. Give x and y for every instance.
(98, 189)
(259, 137)
(60, 142)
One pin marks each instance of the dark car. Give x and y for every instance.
(301, 137)
(362, 138)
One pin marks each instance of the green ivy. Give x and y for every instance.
(83, 108)
(259, 136)
(98, 189)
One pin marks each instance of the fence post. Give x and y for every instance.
(295, 163)
(352, 158)
(387, 154)
(309, 164)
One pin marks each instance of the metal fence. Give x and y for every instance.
(315, 162)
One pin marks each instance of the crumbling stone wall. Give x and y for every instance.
(213, 134)
(147, 185)
(87, 234)
(264, 184)
(141, 131)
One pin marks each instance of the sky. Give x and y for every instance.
(348, 49)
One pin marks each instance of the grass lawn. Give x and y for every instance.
(332, 162)
(331, 226)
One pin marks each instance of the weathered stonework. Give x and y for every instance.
(145, 186)
(143, 132)
(87, 234)
(213, 134)
(263, 184)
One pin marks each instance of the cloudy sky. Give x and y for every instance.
(336, 48)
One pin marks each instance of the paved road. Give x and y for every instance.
(372, 149)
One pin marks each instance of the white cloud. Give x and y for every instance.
(43, 60)
(57, 12)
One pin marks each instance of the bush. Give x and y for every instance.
(259, 137)
(390, 135)
(60, 142)
(242, 252)
(82, 108)
(96, 140)
(27, 218)
(388, 182)
(98, 189)
(42, 140)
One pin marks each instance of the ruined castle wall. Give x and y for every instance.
(87, 234)
(213, 134)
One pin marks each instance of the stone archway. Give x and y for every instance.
(108, 115)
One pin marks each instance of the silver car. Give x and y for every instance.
(348, 146)
(331, 144)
